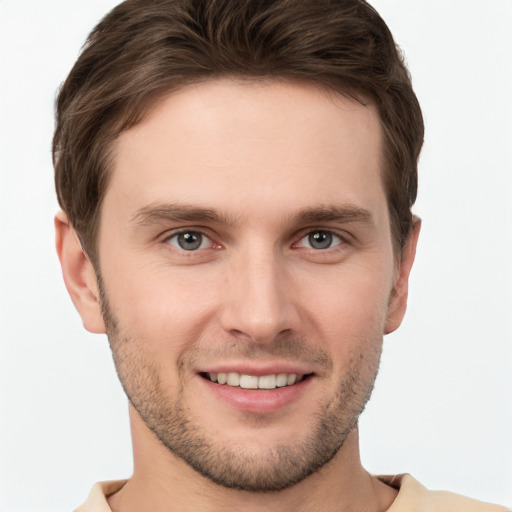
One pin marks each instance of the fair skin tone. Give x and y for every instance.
(245, 231)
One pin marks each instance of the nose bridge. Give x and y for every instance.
(258, 303)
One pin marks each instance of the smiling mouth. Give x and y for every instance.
(244, 381)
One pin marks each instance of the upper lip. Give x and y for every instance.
(255, 369)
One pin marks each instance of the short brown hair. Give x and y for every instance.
(144, 49)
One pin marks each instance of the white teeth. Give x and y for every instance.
(267, 382)
(248, 382)
(281, 380)
(291, 379)
(253, 382)
(233, 379)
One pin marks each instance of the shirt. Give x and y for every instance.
(412, 497)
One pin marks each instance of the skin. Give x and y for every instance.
(272, 163)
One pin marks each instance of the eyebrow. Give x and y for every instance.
(180, 212)
(342, 214)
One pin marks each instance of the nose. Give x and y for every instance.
(259, 302)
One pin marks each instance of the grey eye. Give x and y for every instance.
(189, 241)
(320, 239)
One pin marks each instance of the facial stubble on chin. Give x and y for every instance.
(280, 467)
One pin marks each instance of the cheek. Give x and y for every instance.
(350, 306)
(167, 308)
(356, 286)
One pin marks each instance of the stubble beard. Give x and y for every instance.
(281, 466)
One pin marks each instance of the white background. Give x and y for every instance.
(442, 405)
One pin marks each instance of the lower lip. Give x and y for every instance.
(257, 400)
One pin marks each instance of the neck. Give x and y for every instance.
(162, 482)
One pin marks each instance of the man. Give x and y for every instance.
(236, 180)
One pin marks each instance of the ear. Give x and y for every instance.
(398, 300)
(79, 275)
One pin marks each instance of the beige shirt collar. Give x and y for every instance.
(412, 497)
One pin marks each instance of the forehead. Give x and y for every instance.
(249, 147)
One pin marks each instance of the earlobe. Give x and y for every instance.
(79, 275)
(398, 300)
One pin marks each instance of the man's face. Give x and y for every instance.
(245, 237)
